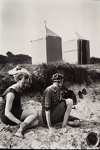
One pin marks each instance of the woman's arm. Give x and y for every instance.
(8, 107)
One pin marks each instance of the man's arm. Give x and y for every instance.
(48, 96)
(48, 118)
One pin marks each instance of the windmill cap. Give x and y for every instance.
(57, 77)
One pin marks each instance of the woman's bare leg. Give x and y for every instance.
(29, 119)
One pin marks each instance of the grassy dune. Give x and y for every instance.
(41, 75)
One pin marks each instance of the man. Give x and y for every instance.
(55, 108)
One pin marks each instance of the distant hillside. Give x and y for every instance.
(94, 60)
(15, 59)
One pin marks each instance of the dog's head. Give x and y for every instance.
(70, 94)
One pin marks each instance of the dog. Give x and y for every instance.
(70, 94)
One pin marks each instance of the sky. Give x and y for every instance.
(22, 20)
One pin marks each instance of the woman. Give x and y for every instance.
(55, 108)
(11, 110)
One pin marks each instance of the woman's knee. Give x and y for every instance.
(27, 113)
(33, 114)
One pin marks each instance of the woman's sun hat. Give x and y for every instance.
(57, 77)
(18, 70)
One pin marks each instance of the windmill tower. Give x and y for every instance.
(47, 47)
(77, 50)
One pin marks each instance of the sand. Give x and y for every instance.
(87, 109)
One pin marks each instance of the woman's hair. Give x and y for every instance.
(19, 72)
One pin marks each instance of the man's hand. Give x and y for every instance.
(64, 129)
(51, 133)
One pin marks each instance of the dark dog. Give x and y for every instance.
(70, 94)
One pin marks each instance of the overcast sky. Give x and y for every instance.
(22, 20)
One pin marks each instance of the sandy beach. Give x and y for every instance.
(87, 109)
